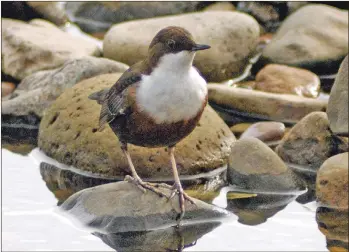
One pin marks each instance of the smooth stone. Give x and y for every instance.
(68, 133)
(220, 6)
(264, 106)
(7, 88)
(123, 207)
(52, 11)
(314, 36)
(265, 131)
(253, 166)
(310, 142)
(337, 110)
(28, 48)
(231, 45)
(38, 91)
(281, 79)
(332, 182)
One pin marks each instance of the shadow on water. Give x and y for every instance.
(170, 239)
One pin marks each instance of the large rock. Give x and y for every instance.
(262, 105)
(36, 92)
(68, 133)
(28, 48)
(337, 110)
(231, 45)
(332, 182)
(315, 34)
(282, 79)
(253, 166)
(123, 207)
(310, 142)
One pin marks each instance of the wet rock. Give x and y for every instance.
(68, 133)
(99, 16)
(262, 106)
(36, 92)
(314, 37)
(169, 239)
(7, 88)
(258, 208)
(282, 79)
(27, 48)
(231, 45)
(253, 166)
(220, 6)
(337, 111)
(123, 207)
(332, 182)
(265, 131)
(310, 142)
(53, 11)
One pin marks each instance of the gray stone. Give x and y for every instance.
(337, 110)
(231, 45)
(253, 166)
(123, 207)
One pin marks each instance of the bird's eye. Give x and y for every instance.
(171, 43)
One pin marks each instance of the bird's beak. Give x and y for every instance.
(198, 47)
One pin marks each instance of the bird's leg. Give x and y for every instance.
(135, 178)
(177, 187)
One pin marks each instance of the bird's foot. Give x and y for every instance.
(144, 186)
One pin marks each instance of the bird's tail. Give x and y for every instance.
(99, 96)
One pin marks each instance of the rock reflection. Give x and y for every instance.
(170, 239)
(333, 223)
(256, 209)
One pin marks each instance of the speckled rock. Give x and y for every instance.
(68, 133)
(332, 182)
(265, 131)
(337, 111)
(315, 34)
(28, 48)
(36, 92)
(253, 166)
(310, 142)
(282, 79)
(122, 207)
(263, 105)
(231, 45)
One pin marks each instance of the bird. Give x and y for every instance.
(157, 102)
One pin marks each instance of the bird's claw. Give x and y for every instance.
(144, 186)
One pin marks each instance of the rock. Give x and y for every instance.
(169, 239)
(53, 11)
(253, 166)
(263, 106)
(265, 131)
(332, 182)
(220, 6)
(27, 48)
(36, 92)
(7, 88)
(314, 37)
(122, 207)
(99, 16)
(282, 79)
(68, 133)
(231, 45)
(310, 142)
(337, 110)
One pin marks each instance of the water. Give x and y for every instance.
(32, 221)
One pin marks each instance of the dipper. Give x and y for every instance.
(157, 102)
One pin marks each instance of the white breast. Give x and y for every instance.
(174, 91)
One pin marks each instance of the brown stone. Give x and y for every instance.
(7, 88)
(265, 131)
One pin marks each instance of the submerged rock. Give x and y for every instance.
(231, 45)
(123, 207)
(310, 142)
(68, 133)
(29, 48)
(253, 166)
(337, 111)
(332, 182)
